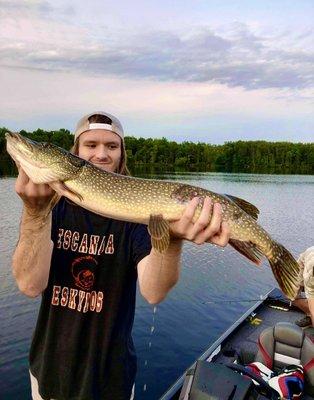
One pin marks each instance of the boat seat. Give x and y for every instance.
(286, 344)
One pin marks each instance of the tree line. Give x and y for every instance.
(161, 154)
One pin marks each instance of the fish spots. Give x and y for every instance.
(237, 214)
(186, 193)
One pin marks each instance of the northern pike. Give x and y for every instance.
(151, 202)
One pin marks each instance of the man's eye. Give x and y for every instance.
(90, 146)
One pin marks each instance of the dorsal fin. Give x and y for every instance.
(245, 205)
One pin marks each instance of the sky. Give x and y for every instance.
(209, 71)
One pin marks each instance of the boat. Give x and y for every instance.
(220, 373)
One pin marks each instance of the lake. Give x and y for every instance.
(216, 285)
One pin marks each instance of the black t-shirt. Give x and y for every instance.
(82, 347)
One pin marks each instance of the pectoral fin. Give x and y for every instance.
(54, 200)
(63, 190)
(40, 175)
(158, 229)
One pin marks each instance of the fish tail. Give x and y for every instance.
(285, 269)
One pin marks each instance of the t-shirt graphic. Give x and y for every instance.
(83, 271)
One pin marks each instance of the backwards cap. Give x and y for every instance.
(113, 124)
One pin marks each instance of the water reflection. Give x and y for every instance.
(230, 177)
(215, 286)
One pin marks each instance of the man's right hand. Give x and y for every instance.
(36, 197)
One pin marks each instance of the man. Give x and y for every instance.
(306, 261)
(86, 268)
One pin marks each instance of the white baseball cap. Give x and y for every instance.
(112, 124)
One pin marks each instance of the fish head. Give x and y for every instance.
(42, 162)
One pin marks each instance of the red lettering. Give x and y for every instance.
(83, 246)
(93, 244)
(86, 306)
(88, 244)
(55, 295)
(60, 234)
(74, 299)
(109, 247)
(92, 301)
(73, 294)
(75, 239)
(81, 298)
(64, 296)
(99, 301)
(67, 239)
(102, 246)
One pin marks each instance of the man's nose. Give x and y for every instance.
(101, 152)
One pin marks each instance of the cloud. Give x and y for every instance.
(181, 111)
(35, 8)
(44, 92)
(237, 58)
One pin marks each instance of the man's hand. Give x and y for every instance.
(36, 198)
(216, 231)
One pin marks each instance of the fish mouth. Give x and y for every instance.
(21, 149)
(15, 138)
(42, 162)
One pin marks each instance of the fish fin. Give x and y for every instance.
(42, 175)
(54, 200)
(158, 229)
(63, 190)
(247, 249)
(245, 205)
(286, 270)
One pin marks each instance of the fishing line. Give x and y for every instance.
(154, 309)
(231, 301)
(261, 298)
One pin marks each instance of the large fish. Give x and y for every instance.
(152, 202)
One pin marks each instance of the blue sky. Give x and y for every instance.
(208, 71)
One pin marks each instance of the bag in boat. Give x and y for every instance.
(289, 383)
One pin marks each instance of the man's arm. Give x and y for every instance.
(158, 273)
(32, 256)
(311, 308)
(306, 261)
(31, 259)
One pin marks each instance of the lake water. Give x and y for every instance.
(216, 285)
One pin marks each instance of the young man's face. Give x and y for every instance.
(102, 148)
